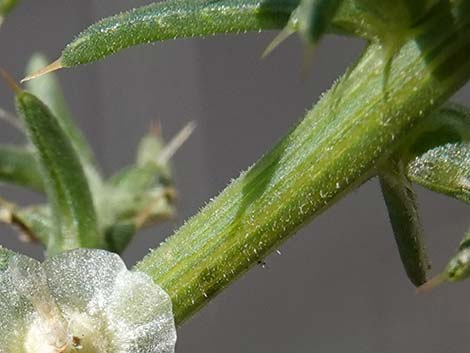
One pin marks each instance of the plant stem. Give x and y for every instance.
(334, 149)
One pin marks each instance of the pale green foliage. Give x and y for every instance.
(60, 162)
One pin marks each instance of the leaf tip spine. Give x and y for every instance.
(278, 40)
(56, 65)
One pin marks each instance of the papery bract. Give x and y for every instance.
(82, 300)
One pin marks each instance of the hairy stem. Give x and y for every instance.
(338, 145)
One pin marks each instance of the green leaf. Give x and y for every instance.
(18, 166)
(150, 147)
(136, 179)
(439, 156)
(139, 190)
(147, 172)
(138, 195)
(445, 169)
(403, 212)
(170, 20)
(66, 185)
(314, 18)
(119, 235)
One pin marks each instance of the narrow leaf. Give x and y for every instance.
(169, 20)
(66, 185)
(403, 212)
(438, 158)
(119, 235)
(314, 18)
(445, 169)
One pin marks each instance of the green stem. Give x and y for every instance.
(338, 145)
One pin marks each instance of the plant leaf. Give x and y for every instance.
(119, 235)
(403, 212)
(314, 18)
(170, 20)
(66, 185)
(439, 156)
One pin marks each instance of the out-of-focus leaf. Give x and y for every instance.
(37, 220)
(66, 185)
(119, 235)
(439, 156)
(314, 18)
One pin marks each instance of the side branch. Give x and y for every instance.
(338, 145)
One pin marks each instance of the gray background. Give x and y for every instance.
(338, 285)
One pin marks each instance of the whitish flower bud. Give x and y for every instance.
(81, 301)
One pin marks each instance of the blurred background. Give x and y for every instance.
(338, 285)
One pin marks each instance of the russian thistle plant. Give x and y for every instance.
(388, 116)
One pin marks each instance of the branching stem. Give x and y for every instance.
(353, 128)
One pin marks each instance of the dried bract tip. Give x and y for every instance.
(56, 65)
(156, 128)
(176, 143)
